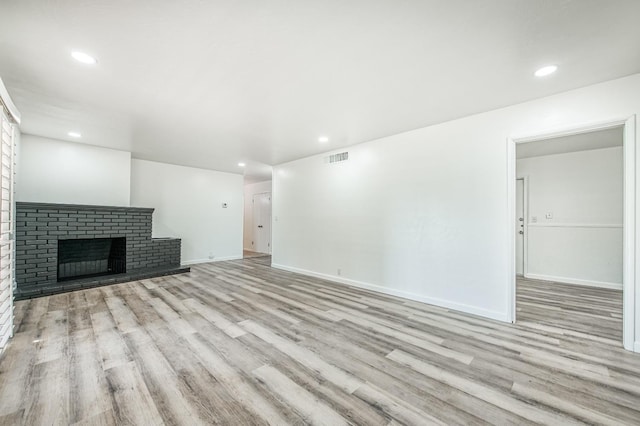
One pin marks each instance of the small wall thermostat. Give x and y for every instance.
(224, 205)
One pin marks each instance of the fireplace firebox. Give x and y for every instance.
(82, 258)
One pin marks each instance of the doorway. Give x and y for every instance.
(262, 222)
(564, 222)
(256, 241)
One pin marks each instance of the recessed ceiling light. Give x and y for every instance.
(241, 164)
(323, 139)
(75, 134)
(544, 71)
(83, 57)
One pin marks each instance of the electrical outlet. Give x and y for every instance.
(549, 215)
(211, 256)
(339, 271)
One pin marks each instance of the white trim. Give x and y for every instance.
(574, 225)
(499, 316)
(511, 234)
(576, 281)
(636, 346)
(215, 259)
(195, 262)
(630, 236)
(8, 102)
(572, 130)
(631, 215)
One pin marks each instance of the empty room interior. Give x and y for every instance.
(325, 213)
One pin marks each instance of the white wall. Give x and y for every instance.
(55, 171)
(249, 191)
(188, 201)
(582, 242)
(424, 214)
(188, 204)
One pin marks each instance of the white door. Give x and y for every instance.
(262, 222)
(520, 229)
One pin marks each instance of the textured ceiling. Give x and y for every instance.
(212, 83)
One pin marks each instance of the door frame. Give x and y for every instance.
(630, 216)
(525, 210)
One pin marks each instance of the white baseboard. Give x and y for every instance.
(195, 262)
(474, 310)
(600, 284)
(221, 258)
(636, 346)
(215, 259)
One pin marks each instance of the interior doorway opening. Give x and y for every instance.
(262, 223)
(257, 219)
(572, 205)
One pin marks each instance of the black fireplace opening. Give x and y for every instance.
(84, 258)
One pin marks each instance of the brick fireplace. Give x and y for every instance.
(64, 247)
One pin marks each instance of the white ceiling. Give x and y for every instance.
(211, 83)
(600, 139)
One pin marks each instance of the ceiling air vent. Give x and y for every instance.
(336, 158)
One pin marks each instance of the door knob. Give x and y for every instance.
(521, 219)
(521, 232)
(259, 226)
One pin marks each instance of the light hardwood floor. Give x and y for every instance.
(588, 310)
(248, 254)
(240, 343)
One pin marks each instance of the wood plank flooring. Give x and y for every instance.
(247, 254)
(589, 310)
(240, 343)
